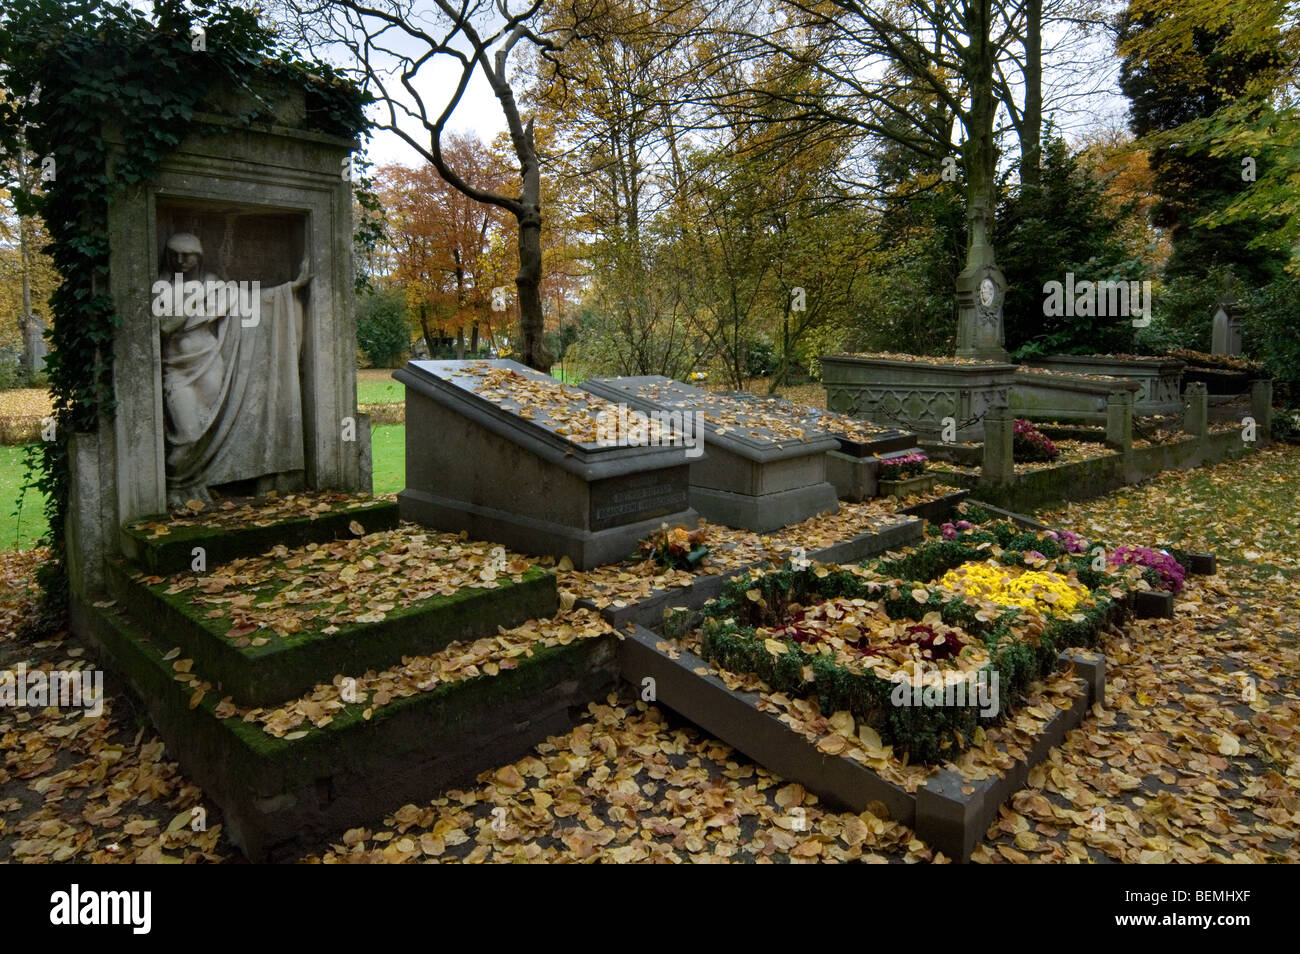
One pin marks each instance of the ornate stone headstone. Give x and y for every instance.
(940, 399)
(981, 291)
(234, 363)
(1226, 334)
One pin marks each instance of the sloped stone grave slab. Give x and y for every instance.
(853, 468)
(289, 778)
(760, 471)
(1066, 394)
(1159, 380)
(512, 455)
(172, 543)
(266, 628)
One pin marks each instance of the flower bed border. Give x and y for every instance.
(924, 733)
(949, 812)
(650, 611)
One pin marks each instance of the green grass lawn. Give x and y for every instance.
(388, 449)
(569, 376)
(388, 454)
(376, 386)
(18, 532)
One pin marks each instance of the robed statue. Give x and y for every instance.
(230, 356)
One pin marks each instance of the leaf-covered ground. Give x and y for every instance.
(1195, 758)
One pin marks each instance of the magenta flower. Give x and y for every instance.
(1172, 575)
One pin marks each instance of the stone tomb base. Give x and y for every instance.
(854, 469)
(917, 395)
(477, 466)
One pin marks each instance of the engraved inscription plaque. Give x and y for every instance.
(620, 500)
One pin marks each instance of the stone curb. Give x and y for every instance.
(942, 813)
(649, 612)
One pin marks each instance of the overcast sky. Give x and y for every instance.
(1090, 70)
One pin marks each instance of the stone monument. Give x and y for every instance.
(763, 470)
(981, 291)
(234, 362)
(34, 347)
(233, 407)
(512, 455)
(1226, 334)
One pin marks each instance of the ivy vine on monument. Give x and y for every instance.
(74, 74)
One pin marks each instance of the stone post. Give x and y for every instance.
(34, 348)
(1119, 422)
(999, 464)
(1261, 409)
(1196, 420)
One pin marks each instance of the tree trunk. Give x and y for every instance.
(1032, 122)
(460, 305)
(532, 326)
(425, 330)
(979, 151)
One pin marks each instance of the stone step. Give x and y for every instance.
(939, 509)
(281, 797)
(174, 551)
(286, 666)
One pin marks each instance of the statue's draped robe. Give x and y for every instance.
(254, 427)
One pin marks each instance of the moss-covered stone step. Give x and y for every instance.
(174, 551)
(287, 666)
(937, 509)
(281, 797)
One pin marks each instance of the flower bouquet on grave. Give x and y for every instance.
(1168, 573)
(1030, 445)
(901, 468)
(676, 548)
(1068, 540)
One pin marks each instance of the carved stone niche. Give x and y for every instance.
(261, 200)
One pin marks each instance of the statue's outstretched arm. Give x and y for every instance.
(304, 272)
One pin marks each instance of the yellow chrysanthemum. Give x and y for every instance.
(1010, 586)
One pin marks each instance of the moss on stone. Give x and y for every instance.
(288, 666)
